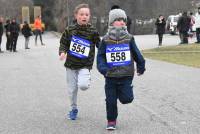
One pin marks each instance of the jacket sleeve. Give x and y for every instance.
(64, 42)
(137, 56)
(164, 22)
(101, 58)
(97, 39)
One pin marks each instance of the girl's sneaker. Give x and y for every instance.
(73, 114)
(111, 125)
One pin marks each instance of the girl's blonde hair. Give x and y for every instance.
(80, 6)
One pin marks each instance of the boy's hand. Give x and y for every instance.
(63, 56)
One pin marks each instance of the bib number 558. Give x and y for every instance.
(118, 56)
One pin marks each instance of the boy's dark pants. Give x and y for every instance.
(117, 88)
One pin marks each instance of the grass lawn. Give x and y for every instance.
(188, 55)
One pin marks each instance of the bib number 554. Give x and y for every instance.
(78, 48)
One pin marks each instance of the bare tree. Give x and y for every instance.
(12, 8)
(60, 13)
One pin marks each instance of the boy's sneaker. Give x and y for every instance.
(111, 125)
(73, 114)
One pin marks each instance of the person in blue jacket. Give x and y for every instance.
(117, 53)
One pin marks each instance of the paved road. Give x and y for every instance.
(33, 97)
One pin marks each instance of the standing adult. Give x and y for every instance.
(26, 31)
(1, 32)
(38, 29)
(160, 28)
(14, 30)
(197, 25)
(183, 26)
(192, 23)
(8, 35)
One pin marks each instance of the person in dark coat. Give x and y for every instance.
(1, 31)
(183, 26)
(14, 30)
(8, 36)
(160, 28)
(26, 31)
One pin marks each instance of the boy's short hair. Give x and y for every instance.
(81, 6)
(116, 14)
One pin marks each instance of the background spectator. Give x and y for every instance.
(38, 29)
(1, 31)
(197, 25)
(8, 36)
(160, 28)
(183, 27)
(26, 31)
(14, 31)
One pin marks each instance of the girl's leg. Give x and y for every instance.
(28, 38)
(36, 35)
(40, 34)
(26, 42)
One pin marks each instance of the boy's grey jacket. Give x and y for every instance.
(119, 71)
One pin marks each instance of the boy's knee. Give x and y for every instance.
(84, 79)
(83, 86)
(126, 101)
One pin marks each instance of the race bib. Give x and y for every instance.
(118, 55)
(79, 47)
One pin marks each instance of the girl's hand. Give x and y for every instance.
(63, 56)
